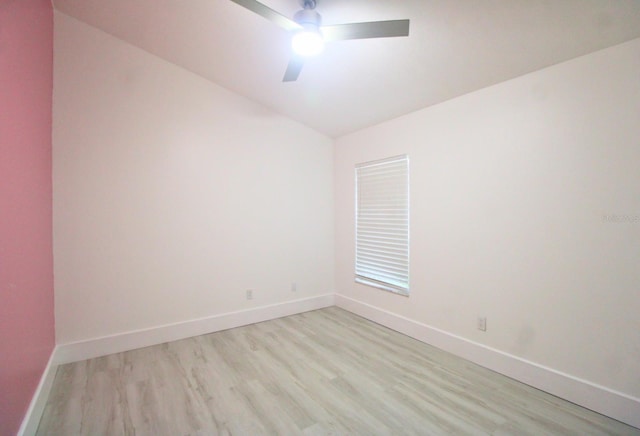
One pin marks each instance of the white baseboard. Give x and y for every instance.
(601, 399)
(76, 351)
(31, 419)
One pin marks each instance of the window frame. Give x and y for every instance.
(392, 273)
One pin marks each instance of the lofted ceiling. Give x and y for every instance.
(454, 47)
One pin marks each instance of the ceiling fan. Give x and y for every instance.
(309, 35)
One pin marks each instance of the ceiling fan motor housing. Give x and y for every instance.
(308, 18)
(308, 41)
(308, 4)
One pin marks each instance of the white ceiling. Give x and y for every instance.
(454, 47)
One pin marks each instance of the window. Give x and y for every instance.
(382, 224)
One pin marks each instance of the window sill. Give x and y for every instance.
(383, 286)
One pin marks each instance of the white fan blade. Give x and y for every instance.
(269, 14)
(293, 69)
(373, 29)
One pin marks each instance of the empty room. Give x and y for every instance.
(319, 217)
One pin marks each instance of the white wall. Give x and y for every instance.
(509, 186)
(172, 195)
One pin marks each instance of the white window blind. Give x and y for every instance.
(382, 224)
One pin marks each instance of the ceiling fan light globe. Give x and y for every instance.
(307, 43)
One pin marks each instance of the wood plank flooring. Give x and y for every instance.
(316, 373)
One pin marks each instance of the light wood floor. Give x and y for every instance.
(321, 372)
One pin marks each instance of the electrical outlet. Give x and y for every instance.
(294, 287)
(482, 323)
(249, 294)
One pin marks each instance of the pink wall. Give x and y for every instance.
(26, 259)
